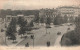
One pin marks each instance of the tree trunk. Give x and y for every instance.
(13, 41)
(21, 35)
(8, 38)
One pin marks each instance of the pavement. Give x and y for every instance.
(3, 39)
(10, 42)
(2, 35)
(57, 42)
(40, 37)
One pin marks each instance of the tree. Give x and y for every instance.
(22, 31)
(58, 20)
(55, 21)
(42, 20)
(22, 23)
(61, 20)
(65, 19)
(72, 37)
(37, 18)
(31, 24)
(76, 19)
(11, 30)
(48, 20)
(29, 27)
(71, 19)
(77, 23)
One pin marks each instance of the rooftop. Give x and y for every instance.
(74, 7)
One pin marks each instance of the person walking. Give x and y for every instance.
(48, 43)
(27, 45)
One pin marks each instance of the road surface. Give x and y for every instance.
(41, 37)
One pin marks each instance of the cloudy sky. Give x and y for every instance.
(35, 4)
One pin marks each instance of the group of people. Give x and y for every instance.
(48, 44)
(27, 44)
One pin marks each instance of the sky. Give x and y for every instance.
(35, 4)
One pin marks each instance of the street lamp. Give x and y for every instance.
(46, 25)
(5, 25)
(46, 29)
(33, 40)
(32, 36)
(5, 37)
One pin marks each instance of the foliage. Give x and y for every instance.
(31, 24)
(65, 19)
(11, 30)
(48, 20)
(22, 23)
(3, 12)
(58, 20)
(71, 19)
(42, 20)
(36, 19)
(72, 37)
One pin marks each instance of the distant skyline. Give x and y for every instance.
(36, 4)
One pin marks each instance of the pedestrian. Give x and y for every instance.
(59, 33)
(27, 45)
(68, 29)
(25, 37)
(31, 36)
(48, 43)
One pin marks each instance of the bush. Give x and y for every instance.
(70, 38)
(65, 41)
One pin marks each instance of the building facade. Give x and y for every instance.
(69, 10)
(27, 18)
(48, 13)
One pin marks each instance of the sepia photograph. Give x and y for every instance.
(40, 23)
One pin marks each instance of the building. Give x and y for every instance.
(1, 20)
(69, 11)
(27, 18)
(48, 13)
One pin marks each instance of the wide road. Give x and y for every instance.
(2, 35)
(41, 37)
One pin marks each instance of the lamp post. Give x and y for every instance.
(32, 36)
(5, 38)
(46, 25)
(5, 27)
(33, 41)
